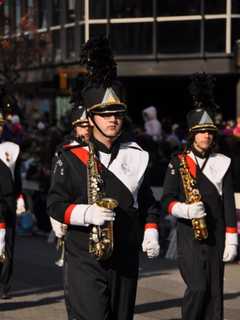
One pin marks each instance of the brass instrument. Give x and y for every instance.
(193, 195)
(101, 237)
(61, 248)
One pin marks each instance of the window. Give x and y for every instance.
(70, 10)
(56, 12)
(70, 43)
(97, 9)
(235, 6)
(57, 53)
(235, 32)
(132, 38)
(215, 6)
(131, 9)
(97, 30)
(178, 37)
(178, 8)
(42, 14)
(215, 33)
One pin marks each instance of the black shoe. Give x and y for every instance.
(5, 296)
(5, 293)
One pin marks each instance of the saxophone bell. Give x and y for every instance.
(101, 237)
(200, 228)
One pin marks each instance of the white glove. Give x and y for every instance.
(98, 215)
(20, 205)
(150, 243)
(60, 229)
(189, 211)
(2, 240)
(231, 244)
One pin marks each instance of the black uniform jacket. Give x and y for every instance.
(124, 172)
(214, 182)
(10, 182)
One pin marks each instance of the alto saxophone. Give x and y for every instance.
(101, 237)
(193, 195)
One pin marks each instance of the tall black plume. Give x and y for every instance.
(97, 56)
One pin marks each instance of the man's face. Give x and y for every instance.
(83, 131)
(110, 123)
(203, 140)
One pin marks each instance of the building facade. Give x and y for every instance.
(164, 41)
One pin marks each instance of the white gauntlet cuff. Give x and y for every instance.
(77, 217)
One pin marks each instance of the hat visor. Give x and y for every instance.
(81, 123)
(108, 108)
(204, 127)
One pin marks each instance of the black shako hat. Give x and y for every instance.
(103, 92)
(79, 116)
(201, 118)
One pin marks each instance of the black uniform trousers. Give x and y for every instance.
(202, 270)
(6, 268)
(68, 305)
(98, 291)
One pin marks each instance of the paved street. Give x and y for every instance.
(37, 290)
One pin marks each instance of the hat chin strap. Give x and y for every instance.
(104, 134)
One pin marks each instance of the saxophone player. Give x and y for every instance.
(80, 135)
(201, 262)
(104, 289)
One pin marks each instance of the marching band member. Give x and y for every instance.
(11, 203)
(103, 288)
(201, 171)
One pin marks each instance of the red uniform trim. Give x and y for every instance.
(68, 212)
(2, 225)
(66, 146)
(170, 206)
(82, 154)
(191, 165)
(231, 230)
(151, 226)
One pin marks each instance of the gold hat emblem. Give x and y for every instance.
(110, 97)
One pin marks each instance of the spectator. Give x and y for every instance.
(152, 125)
(236, 130)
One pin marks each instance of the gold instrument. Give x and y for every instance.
(61, 249)
(3, 257)
(101, 237)
(193, 195)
